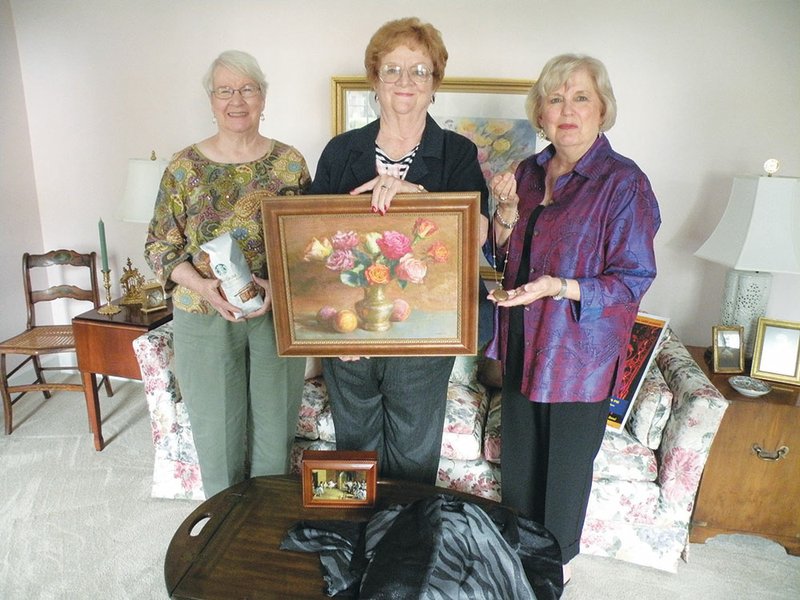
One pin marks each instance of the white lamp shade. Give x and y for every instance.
(141, 189)
(760, 229)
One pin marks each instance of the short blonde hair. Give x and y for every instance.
(238, 62)
(555, 74)
(413, 33)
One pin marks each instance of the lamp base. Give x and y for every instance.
(744, 301)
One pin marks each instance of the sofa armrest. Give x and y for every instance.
(697, 410)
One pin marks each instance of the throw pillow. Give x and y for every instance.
(651, 409)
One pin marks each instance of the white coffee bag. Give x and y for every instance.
(230, 267)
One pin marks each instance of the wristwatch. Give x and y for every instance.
(563, 291)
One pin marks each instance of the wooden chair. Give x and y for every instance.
(38, 340)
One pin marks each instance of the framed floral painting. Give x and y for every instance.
(347, 281)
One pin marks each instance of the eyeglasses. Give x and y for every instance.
(247, 91)
(392, 73)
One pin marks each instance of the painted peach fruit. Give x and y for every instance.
(345, 321)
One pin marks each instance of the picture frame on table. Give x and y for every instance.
(347, 281)
(488, 111)
(727, 350)
(339, 478)
(776, 354)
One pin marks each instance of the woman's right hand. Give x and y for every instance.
(210, 291)
(186, 275)
(504, 190)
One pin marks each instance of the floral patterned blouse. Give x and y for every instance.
(200, 199)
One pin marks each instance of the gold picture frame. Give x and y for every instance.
(339, 478)
(726, 343)
(776, 355)
(347, 281)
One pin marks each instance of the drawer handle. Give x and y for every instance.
(770, 456)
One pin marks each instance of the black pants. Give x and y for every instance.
(394, 405)
(547, 461)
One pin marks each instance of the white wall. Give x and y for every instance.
(706, 91)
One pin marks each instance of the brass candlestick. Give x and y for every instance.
(108, 308)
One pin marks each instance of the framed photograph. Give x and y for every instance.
(776, 355)
(726, 342)
(646, 334)
(347, 281)
(344, 479)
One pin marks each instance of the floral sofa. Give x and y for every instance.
(645, 476)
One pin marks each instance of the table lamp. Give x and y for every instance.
(141, 189)
(759, 234)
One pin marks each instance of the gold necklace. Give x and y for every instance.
(499, 292)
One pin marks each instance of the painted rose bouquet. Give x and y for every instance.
(377, 258)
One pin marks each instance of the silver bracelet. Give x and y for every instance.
(562, 293)
(504, 223)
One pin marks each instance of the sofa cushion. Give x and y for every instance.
(476, 477)
(491, 439)
(463, 422)
(624, 458)
(627, 501)
(651, 409)
(465, 372)
(463, 425)
(314, 403)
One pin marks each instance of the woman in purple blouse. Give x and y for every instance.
(574, 229)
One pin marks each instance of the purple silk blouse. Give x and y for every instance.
(598, 230)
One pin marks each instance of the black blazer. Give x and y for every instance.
(445, 162)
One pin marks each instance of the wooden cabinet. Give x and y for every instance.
(751, 482)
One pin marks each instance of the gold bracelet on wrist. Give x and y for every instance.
(504, 223)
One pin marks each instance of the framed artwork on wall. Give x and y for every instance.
(490, 112)
(776, 355)
(347, 281)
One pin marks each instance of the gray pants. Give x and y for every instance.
(393, 405)
(242, 399)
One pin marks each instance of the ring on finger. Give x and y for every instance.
(503, 198)
(385, 186)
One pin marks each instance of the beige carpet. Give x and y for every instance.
(75, 523)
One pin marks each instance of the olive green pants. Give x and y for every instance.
(241, 397)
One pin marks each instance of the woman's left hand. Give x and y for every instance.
(263, 283)
(541, 287)
(384, 188)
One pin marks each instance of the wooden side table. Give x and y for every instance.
(104, 345)
(749, 485)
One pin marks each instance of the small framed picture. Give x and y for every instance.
(776, 356)
(728, 351)
(339, 478)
